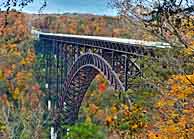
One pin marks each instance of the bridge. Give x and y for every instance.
(71, 62)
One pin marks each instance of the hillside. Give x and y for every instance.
(81, 24)
(88, 24)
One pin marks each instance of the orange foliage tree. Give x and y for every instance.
(20, 94)
(14, 26)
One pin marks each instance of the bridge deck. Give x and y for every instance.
(125, 46)
(110, 39)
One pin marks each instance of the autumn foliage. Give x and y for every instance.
(13, 25)
(19, 92)
(176, 109)
(166, 113)
(86, 24)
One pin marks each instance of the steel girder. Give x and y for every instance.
(124, 48)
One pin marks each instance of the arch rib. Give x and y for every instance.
(81, 74)
(97, 62)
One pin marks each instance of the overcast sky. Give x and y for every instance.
(99, 7)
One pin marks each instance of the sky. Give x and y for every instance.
(98, 7)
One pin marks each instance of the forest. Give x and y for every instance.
(92, 25)
(162, 99)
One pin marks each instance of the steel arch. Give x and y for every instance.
(81, 74)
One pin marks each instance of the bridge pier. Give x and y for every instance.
(126, 72)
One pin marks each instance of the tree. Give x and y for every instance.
(21, 110)
(167, 18)
(175, 110)
(172, 21)
(9, 4)
(13, 26)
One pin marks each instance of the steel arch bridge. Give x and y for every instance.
(71, 62)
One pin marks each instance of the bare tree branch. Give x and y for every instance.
(9, 4)
(160, 16)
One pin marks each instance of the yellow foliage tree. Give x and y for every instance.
(176, 109)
